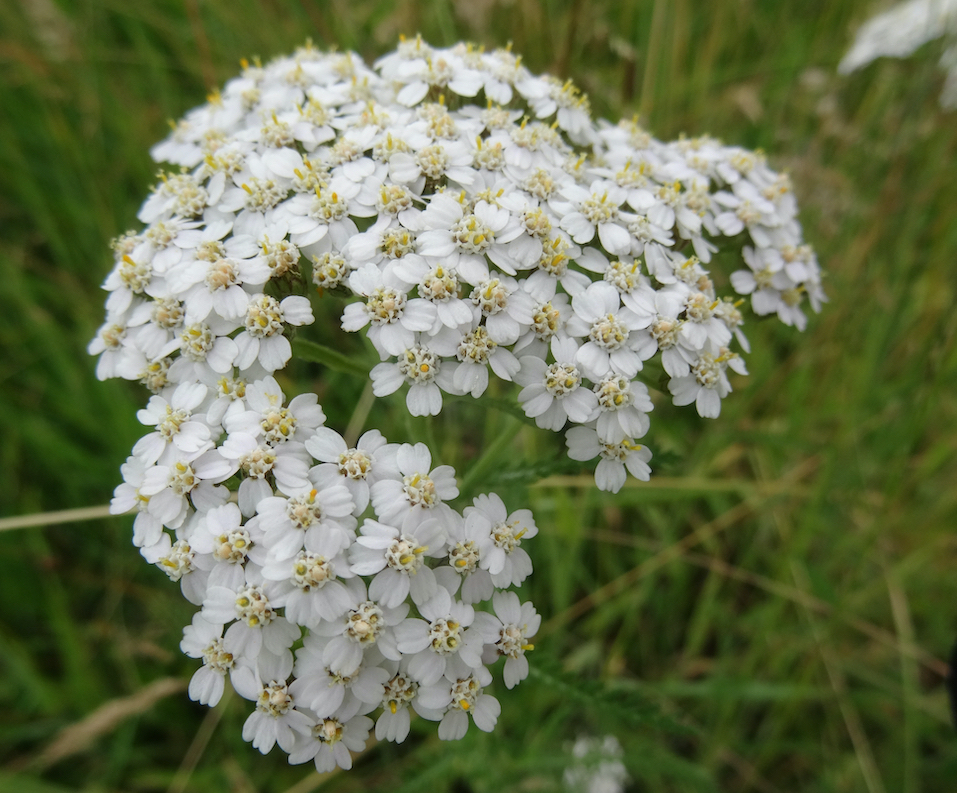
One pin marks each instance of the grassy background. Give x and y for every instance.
(771, 613)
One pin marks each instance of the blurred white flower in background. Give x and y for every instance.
(901, 30)
(597, 768)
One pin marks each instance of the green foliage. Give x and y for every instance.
(783, 588)
(329, 358)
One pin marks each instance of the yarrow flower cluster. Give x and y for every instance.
(292, 561)
(900, 31)
(473, 218)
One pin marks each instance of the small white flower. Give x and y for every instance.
(421, 367)
(329, 741)
(393, 316)
(611, 345)
(222, 285)
(176, 427)
(126, 497)
(357, 469)
(394, 722)
(508, 633)
(310, 217)
(117, 357)
(221, 535)
(440, 286)
(506, 309)
(477, 353)
(269, 419)
(616, 458)
(221, 655)
(364, 625)
(554, 393)
(172, 488)
(303, 519)
(263, 338)
(439, 644)
(259, 623)
(624, 409)
(287, 463)
(276, 719)
(418, 492)
(499, 539)
(397, 559)
(326, 692)
(596, 210)
(459, 698)
(467, 539)
(463, 239)
(545, 315)
(706, 385)
(180, 562)
(204, 350)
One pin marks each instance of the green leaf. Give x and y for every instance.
(494, 403)
(629, 706)
(318, 353)
(15, 783)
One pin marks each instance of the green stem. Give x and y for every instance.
(490, 458)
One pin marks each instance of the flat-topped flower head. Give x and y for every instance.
(471, 220)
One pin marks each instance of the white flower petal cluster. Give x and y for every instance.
(354, 551)
(900, 31)
(474, 219)
(481, 222)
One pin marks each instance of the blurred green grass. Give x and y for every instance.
(783, 589)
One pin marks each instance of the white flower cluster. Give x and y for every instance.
(483, 220)
(900, 31)
(474, 217)
(597, 767)
(292, 555)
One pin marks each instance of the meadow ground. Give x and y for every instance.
(772, 612)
